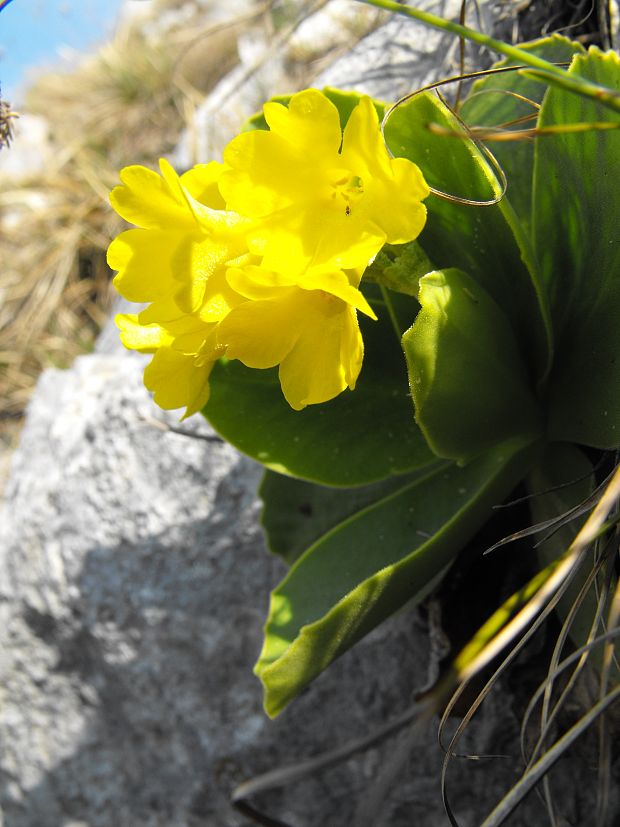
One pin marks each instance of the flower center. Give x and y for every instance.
(346, 190)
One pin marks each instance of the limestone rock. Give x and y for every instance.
(134, 587)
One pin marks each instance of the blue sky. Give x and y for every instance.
(32, 33)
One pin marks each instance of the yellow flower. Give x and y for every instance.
(177, 261)
(186, 236)
(306, 324)
(261, 257)
(184, 351)
(320, 195)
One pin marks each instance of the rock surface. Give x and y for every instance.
(134, 583)
(134, 589)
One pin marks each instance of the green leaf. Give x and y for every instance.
(296, 513)
(369, 565)
(576, 209)
(493, 101)
(468, 382)
(487, 242)
(360, 437)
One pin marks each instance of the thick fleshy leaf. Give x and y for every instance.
(499, 99)
(296, 513)
(486, 242)
(576, 209)
(373, 562)
(360, 437)
(468, 382)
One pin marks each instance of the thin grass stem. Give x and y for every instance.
(540, 70)
(532, 777)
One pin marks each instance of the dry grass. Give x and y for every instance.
(126, 104)
(7, 116)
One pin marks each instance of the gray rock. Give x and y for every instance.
(401, 56)
(134, 588)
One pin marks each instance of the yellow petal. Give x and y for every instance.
(147, 200)
(182, 331)
(136, 336)
(257, 283)
(188, 334)
(265, 173)
(177, 381)
(261, 333)
(219, 298)
(336, 283)
(313, 335)
(393, 187)
(196, 260)
(348, 242)
(162, 311)
(270, 170)
(326, 358)
(300, 236)
(143, 259)
(363, 146)
(396, 202)
(201, 182)
(351, 348)
(310, 121)
(217, 238)
(288, 240)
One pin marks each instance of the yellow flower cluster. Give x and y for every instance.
(260, 257)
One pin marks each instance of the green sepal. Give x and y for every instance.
(399, 267)
(368, 566)
(467, 379)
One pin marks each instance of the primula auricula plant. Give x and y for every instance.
(260, 258)
(397, 360)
